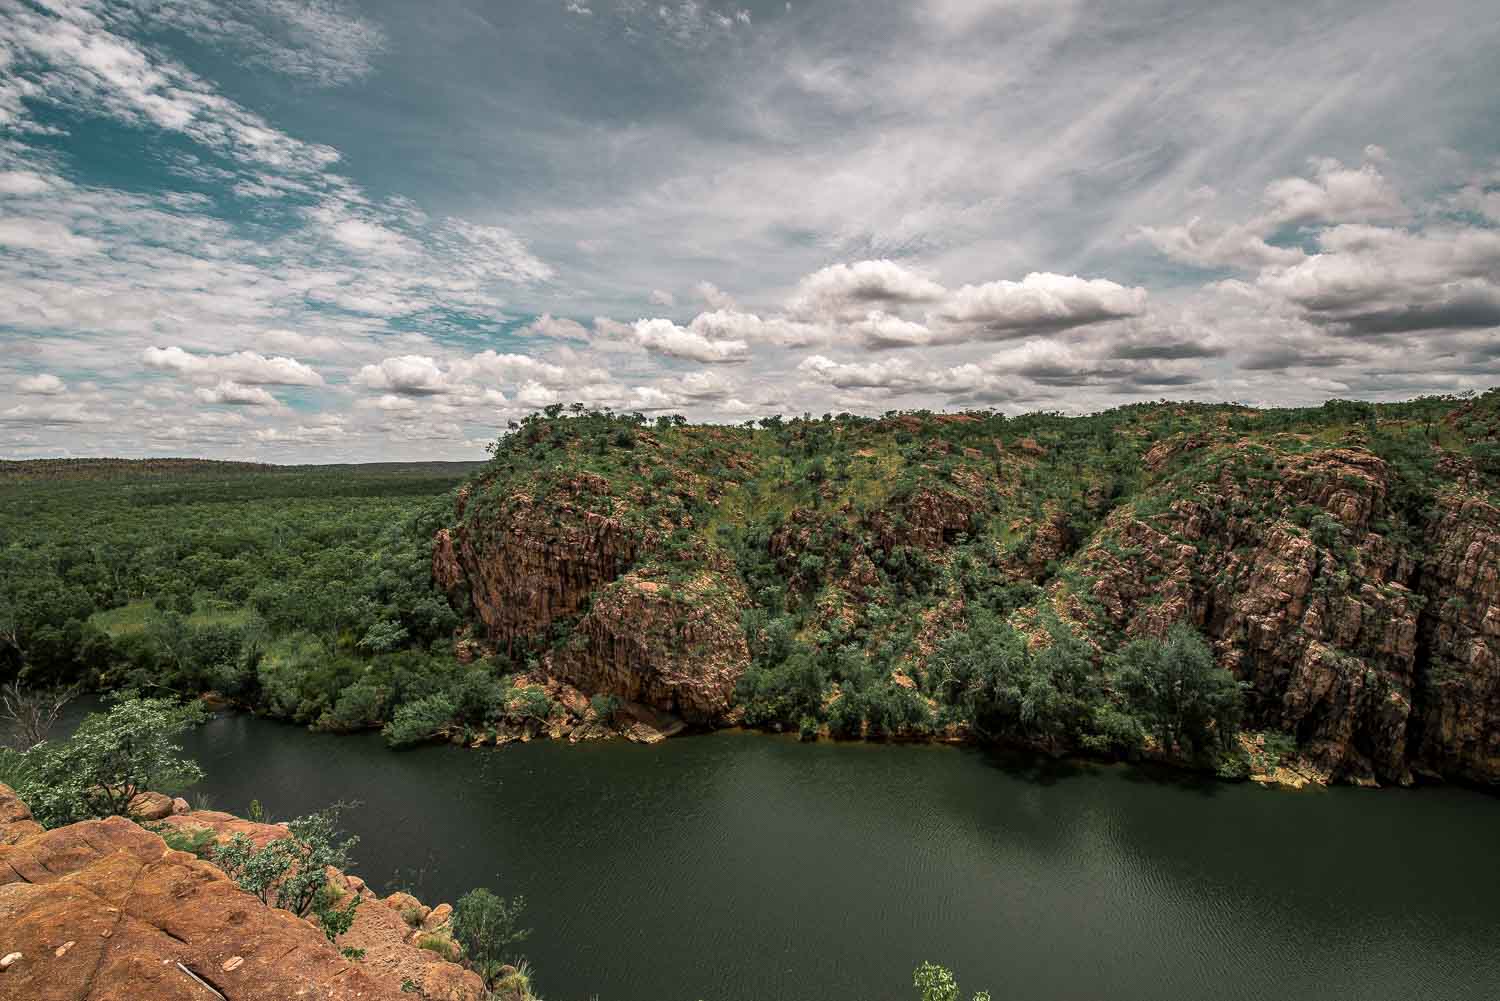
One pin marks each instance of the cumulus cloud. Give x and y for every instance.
(42, 384)
(1037, 302)
(880, 304)
(245, 367)
(667, 338)
(1381, 280)
(408, 375)
(235, 394)
(1334, 194)
(840, 289)
(50, 413)
(557, 327)
(659, 297)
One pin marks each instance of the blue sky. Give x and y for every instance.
(301, 231)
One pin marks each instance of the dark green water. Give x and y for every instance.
(742, 867)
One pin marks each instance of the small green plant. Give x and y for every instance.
(936, 983)
(199, 841)
(436, 943)
(349, 952)
(516, 983)
(487, 926)
(412, 916)
(257, 813)
(409, 986)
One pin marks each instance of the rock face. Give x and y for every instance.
(104, 910)
(1380, 663)
(676, 647)
(536, 562)
(1458, 704)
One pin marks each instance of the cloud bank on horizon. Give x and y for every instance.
(301, 231)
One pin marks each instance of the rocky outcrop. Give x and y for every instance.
(1458, 702)
(533, 560)
(1379, 664)
(529, 563)
(676, 645)
(103, 909)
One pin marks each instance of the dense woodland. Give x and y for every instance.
(305, 592)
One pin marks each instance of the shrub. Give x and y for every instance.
(604, 707)
(487, 926)
(936, 983)
(436, 943)
(110, 758)
(419, 721)
(292, 872)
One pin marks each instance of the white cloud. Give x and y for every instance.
(557, 327)
(713, 296)
(1211, 245)
(837, 290)
(22, 182)
(1038, 302)
(667, 338)
(237, 394)
(245, 367)
(48, 414)
(659, 297)
(410, 375)
(42, 384)
(45, 235)
(1336, 194)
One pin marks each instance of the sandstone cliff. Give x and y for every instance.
(1353, 586)
(104, 910)
(1378, 658)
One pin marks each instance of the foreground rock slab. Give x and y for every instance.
(104, 911)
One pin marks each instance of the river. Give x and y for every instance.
(746, 867)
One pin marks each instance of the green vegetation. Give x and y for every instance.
(487, 926)
(292, 872)
(108, 760)
(936, 983)
(902, 576)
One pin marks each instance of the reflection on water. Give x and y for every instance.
(741, 867)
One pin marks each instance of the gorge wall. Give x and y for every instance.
(1358, 600)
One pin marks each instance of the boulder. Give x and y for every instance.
(15, 818)
(438, 917)
(151, 806)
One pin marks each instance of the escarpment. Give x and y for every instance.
(104, 910)
(534, 560)
(1373, 655)
(1346, 570)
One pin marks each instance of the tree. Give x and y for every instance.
(31, 712)
(487, 926)
(111, 758)
(1175, 687)
(292, 872)
(418, 721)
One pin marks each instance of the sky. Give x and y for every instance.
(338, 230)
